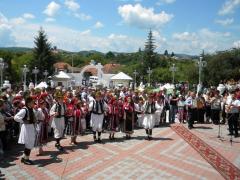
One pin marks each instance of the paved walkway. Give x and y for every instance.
(167, 156)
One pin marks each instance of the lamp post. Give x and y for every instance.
(149, 71)
(173, 69)
(35, 71)
(25, 71)
(45, 73)
(135, 76)
(2, 67)
(200, 65)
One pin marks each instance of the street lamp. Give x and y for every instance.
(25, 71)
(2, 67)
(135, 76)
(200, 65)
(45, 73)
(149, 71)
(35, 71)
(173, 69)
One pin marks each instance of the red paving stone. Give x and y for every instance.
(166, 157)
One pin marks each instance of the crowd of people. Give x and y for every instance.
(38, 116)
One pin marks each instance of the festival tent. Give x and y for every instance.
(121, 79)
(62, 79)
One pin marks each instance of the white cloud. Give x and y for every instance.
(185, 36)
(6, 36)
(225, 22)
(228, 7)
(161, 2)
(236, 44)
(72, 5)
(195, 42)
(136, 15)
(17, 21)
(28, 16)
(82, 16)
(98, 25)
(50, 19)
(51, 9)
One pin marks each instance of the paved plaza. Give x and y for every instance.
(167, 156)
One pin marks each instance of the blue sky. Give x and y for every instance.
(181, 26)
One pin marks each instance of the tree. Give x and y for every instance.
(150, 59)
(43, 57)
(172, 55)
(166, 53)
(110, 55)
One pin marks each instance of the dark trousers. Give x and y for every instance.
(215, 116)
(192, 113)
(3, 139)
(201, 113)
(233, 123)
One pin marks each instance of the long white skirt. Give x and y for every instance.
(27, 135)
(140, 120)
(97, 122)
(58, 124)
(158, 116)
(149, 121)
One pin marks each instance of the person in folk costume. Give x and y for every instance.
(98, 108)
(70, 129)
(149, 108)
(121, 113)
(78, 115)
(216, 107)
(232, 109)
(114, 114)
(42, 125)
(27, 136)
(181, 107)
(68, 101)
(128, 116)
(139, 111)
(200, 107)
(191, 104)
(159, 108)
(2, 128)
(58, 121)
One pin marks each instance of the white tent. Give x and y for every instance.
(62, 75)
(41, 85)
(62, 79)
(121, 79)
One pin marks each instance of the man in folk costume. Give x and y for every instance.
(149, 116)
(58, 122)
(98, 108)
(27, 135)
(42, 125)
(128, 116)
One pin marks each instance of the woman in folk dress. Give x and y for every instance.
(42, 125)
(128, 117)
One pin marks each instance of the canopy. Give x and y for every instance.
(41, 85)
(121, 76)
(62, 75)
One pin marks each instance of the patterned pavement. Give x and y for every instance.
(167, 156)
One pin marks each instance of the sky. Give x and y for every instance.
(179, 26)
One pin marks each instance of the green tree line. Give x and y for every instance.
(221, 66)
